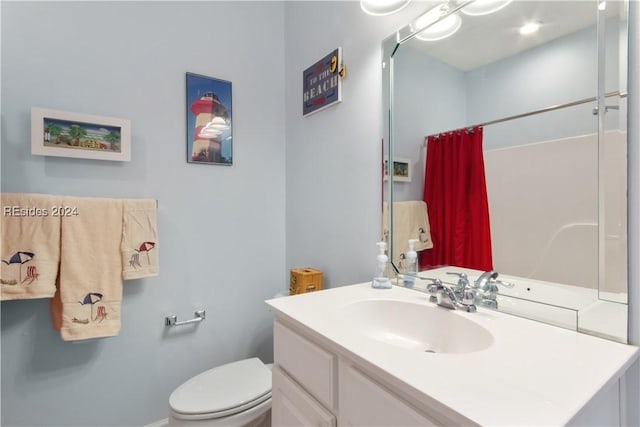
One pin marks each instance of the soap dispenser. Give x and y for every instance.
(411, 265)
(381, 281)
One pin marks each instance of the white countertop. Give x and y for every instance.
(532, 373)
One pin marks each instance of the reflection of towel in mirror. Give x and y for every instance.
(410, 221)
(139, 239)
(87, 304)
(30, 227)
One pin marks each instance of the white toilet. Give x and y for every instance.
(236, 394)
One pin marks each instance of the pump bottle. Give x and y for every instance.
(411, 265)
(381, 281)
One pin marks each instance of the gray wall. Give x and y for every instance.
(334, 156)
(429, 97)
(222, 229)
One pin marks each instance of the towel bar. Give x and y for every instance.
(173, 320)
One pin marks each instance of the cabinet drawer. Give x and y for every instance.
(310, 365)
(292, 406)
(364, 402)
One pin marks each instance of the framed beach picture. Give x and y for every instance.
(401, 169)
(209, 119)
(65, 134)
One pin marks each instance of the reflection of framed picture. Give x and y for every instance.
(401, 169)
(85, 136)
(209, 131)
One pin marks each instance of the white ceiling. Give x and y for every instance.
(485, 39)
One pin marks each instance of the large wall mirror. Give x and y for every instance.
(507, 151)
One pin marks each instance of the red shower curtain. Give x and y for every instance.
(456, 195)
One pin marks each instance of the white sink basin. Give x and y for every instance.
(416, 327)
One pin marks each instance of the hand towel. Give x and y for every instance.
(410, 221)
(87, 304)
(139, 239)
(30, 252)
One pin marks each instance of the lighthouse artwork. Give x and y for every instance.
(209, 130)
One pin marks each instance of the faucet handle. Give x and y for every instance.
(468, 297)
(433, 288)
(435, 284)
(463, 279)
(455, 273)
(505, 284)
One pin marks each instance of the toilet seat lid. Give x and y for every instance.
(234, 385)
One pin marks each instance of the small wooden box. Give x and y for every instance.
(302, 280)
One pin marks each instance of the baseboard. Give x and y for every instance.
(160, 423)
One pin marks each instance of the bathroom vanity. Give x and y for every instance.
(360, 356)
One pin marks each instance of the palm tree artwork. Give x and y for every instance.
(76, 132)
(54, 132)
(114, 140)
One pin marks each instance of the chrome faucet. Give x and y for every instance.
(465, 295)
(487, 289)
(446, 297)
(484, 281)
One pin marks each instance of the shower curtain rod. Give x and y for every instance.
(542, 110)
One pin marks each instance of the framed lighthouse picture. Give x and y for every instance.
(209, 120)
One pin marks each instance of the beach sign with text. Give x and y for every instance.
(322, 84)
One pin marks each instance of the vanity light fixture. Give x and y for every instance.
(530, 27)
(383, 7)
(484, 7)
(434, 29)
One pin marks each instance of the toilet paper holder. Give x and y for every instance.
(173, 320)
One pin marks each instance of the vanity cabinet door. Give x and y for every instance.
(306, 362)
(292, 406)
(364, 402)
